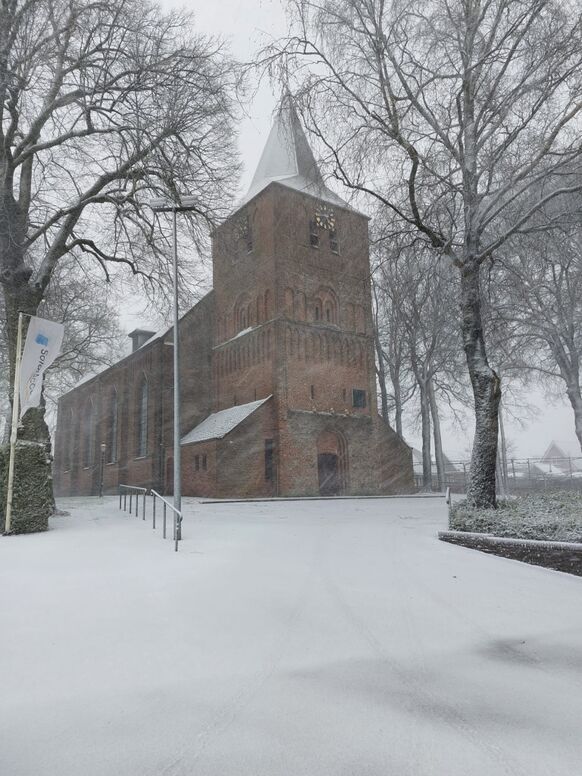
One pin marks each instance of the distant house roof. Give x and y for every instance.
(219, 424)
(288, 159)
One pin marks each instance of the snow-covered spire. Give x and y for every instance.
(288, 159)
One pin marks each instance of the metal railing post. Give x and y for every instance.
(135, 492)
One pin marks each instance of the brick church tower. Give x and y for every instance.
(278, 372)
(294, 323)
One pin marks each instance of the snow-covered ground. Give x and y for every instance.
(283, 639)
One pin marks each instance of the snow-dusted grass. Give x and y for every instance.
(317, 638)
(551, 516)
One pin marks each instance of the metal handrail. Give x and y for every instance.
(131, 491)
(177, 517)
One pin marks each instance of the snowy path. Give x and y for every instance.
(296, 639)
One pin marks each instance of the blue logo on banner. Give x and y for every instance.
(41, 340)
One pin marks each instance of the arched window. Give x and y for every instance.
(289, 296)
(112, 426)
(300, 305)
(317, 312)
(88, 435)
(142, 418)
(69, 442)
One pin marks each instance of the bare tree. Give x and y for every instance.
(391, 343)
(541, 283)
(103, 104)
(93, 339)
(450, 113)
(416, 297)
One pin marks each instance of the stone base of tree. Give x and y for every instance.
(32, 501)
(561, 556)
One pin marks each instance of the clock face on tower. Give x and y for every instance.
(325, 219)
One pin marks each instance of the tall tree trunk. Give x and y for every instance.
(438, 442)
(381, 367)
(425, 422)
(395, 380)
(575, 399)
(486, 392)
(381, 372)
(503, 450)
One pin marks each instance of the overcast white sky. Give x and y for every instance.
(247, 24)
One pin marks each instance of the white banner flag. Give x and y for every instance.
(42, 346)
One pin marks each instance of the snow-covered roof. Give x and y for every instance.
(219, 424)
(288, 159)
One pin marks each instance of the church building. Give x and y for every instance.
(278, 381)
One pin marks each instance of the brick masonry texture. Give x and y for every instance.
(286, 319)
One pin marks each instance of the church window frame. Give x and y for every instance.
(359, 398)
(88, 434)
(113, 426)
(70, 444)
(334, 244)
(313, 234)
(142, 407)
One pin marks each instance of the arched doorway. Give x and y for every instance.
(332, 463)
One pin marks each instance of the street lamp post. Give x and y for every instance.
(161, 205)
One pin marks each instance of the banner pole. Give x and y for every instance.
(14, 427)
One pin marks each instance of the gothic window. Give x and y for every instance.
(142, 418)
(113, 413)
(69, 442)
(300, 305)
(317, 312)
(328, 312)
(333, 241)
(88, 435)
(244, 234)
(313, 234)
(289, 296)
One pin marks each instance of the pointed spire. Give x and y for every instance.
(288, 159)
